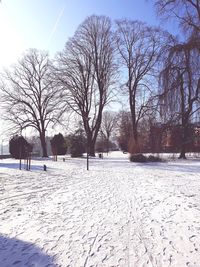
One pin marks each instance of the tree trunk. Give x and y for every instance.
(90, 144)
(182, 154)
(95, 133)
(107, 145)
(134, 145)
(92, 148)
(184, 120)
(183, 142)
(134, 142)
(43, 144)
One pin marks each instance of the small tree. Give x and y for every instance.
(19, 148)
(58, 145)
(76, 145)
(124, 130)
(102, 145)
(108, 125)
(77, 142)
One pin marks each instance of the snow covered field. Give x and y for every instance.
(116, 214)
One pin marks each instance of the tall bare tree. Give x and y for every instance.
(139, 47)
(29, 96)
(180, 85)
(86, 70)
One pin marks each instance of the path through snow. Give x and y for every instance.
(117, 214)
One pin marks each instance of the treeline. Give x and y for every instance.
(125, 61)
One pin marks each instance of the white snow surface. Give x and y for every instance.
(116, 214)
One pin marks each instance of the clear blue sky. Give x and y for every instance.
(47, 24)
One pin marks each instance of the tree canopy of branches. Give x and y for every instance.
(139, 47)
(29, 96)
(86, 70)
(187, 12)
(180, 84)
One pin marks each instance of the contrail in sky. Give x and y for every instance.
(56, 24)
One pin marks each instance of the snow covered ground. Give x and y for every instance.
(116, 214)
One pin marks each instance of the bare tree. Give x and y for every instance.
(180, 84)
(29, 96)
(109, 120)
(86, 72)
(187, 12)
(139, 48)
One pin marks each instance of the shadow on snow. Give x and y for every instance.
(187, 167)
(18, 253)
(23, 166)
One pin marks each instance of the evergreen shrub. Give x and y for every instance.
(19, 147)
(58, 145)
(142, 158)
(138, 158)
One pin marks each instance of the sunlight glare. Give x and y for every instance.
(12, 44)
